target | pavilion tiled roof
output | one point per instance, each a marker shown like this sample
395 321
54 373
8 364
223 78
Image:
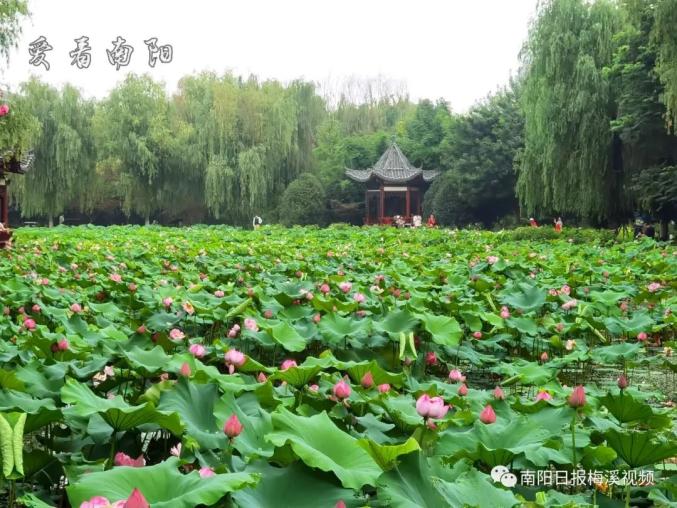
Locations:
392 167
11 165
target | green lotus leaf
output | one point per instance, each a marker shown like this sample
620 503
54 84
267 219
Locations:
321 444
162 485
444 330
116 412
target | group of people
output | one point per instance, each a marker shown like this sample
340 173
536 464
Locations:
644 229
416 221
559 225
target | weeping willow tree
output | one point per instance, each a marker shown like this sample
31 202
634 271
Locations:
11 13
665 37
247 140
64 152
134 133
570 163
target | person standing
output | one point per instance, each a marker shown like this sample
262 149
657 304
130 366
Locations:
559 224
533 223
649 230
257 222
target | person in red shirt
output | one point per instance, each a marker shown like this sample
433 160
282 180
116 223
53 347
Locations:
533 222
431 221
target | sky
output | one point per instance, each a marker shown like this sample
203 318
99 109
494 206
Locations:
458 50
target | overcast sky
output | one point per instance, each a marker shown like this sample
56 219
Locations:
456 49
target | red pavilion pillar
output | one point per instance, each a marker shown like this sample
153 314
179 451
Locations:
382 205
408 214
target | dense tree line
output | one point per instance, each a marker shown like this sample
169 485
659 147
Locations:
585 130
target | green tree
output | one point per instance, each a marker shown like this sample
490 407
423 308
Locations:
570 163
649 146
133 132
479 150
11 13
64 150
303 202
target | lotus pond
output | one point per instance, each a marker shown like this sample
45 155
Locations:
211 366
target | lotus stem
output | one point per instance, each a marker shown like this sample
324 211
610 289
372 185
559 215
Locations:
573 439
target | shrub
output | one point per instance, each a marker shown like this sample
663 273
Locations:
303 202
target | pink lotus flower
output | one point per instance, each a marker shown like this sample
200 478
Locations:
232 428
463 390
624 306
431 358
317 318
206 472
234 358
288 364
498 393
261 378
340 504
122 459
477 335
219 294
197 350
566 290
433 407
383 388
4 109
268 313
232 333
345 286
492 260
188 307
568 305
250 324
29 324
544 356
543 395
341 390
488 415
455 376
553 292
577 397
167 302
175 450
622 382
309 296
96 501
136 500
176 334
642 336
116 277
132 287
141 330
62 345
653 287
359 297
505 313
76 308
185 370
36 308
324 288
314 388
570 345
559 327
367 380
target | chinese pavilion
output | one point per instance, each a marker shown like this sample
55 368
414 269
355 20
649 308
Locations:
394 187
9 164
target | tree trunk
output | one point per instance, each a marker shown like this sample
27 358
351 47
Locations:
50 221
664 230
